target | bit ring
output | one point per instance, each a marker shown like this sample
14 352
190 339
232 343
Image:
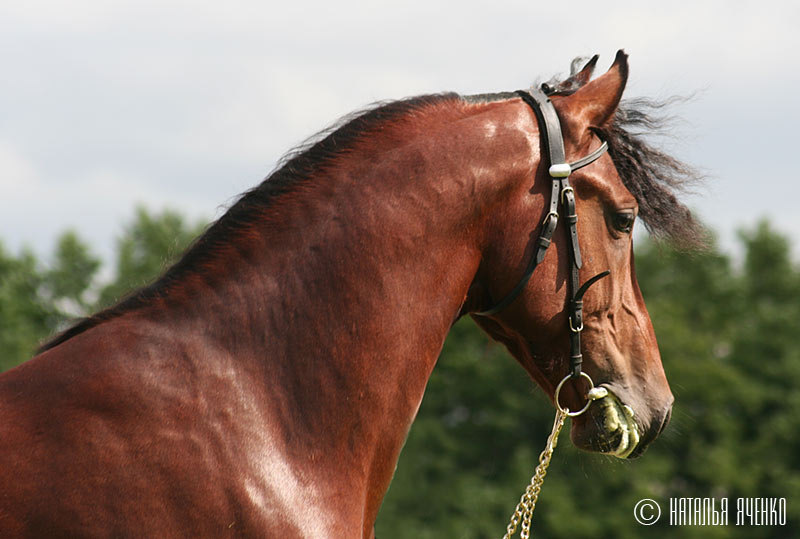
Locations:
591 396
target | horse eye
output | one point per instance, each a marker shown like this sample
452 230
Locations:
623 220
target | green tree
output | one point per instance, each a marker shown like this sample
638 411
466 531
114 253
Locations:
147 246
727 344
68 282
37 300
727 337
25 317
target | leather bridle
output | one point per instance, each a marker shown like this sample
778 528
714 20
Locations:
561 194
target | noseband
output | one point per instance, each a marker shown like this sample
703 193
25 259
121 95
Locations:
562 193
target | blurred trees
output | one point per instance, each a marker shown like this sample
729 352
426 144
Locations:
37 300
26 315
146 247
726 333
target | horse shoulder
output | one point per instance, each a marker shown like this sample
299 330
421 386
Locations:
117 429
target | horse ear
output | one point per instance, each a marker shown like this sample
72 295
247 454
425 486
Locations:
595 103
585 74
577 78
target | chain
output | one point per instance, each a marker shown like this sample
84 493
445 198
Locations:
527 503
524 511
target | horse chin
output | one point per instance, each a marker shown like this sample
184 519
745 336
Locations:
610 428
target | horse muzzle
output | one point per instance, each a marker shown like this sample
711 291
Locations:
612 427
620 432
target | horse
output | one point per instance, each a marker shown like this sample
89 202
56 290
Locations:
264 385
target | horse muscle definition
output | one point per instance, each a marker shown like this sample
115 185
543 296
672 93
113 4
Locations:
264 385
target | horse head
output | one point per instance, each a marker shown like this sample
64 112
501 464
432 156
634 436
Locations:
619 344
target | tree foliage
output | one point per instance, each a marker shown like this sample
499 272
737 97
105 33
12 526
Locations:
25 314
726 334
147 246
36 300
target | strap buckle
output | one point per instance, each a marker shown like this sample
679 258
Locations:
565 190
573 328
553 215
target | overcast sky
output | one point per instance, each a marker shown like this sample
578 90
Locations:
106 104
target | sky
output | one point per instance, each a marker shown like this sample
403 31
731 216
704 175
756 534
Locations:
184 105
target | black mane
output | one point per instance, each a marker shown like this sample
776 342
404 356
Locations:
652 176
297 166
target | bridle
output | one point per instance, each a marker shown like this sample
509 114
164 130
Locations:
561 194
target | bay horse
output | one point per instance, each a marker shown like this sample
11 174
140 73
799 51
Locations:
265 384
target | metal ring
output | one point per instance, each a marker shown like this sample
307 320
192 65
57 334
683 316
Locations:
566 411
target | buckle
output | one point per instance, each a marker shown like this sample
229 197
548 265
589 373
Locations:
565 190
573 328
551 215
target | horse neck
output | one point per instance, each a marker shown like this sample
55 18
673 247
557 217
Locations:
344 293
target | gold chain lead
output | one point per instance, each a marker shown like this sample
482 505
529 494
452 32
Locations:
524 511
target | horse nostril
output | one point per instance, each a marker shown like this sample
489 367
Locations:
664 423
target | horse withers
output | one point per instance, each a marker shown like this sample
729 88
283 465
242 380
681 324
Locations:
265 384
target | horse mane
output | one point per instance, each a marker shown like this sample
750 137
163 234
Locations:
299 165
653 177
